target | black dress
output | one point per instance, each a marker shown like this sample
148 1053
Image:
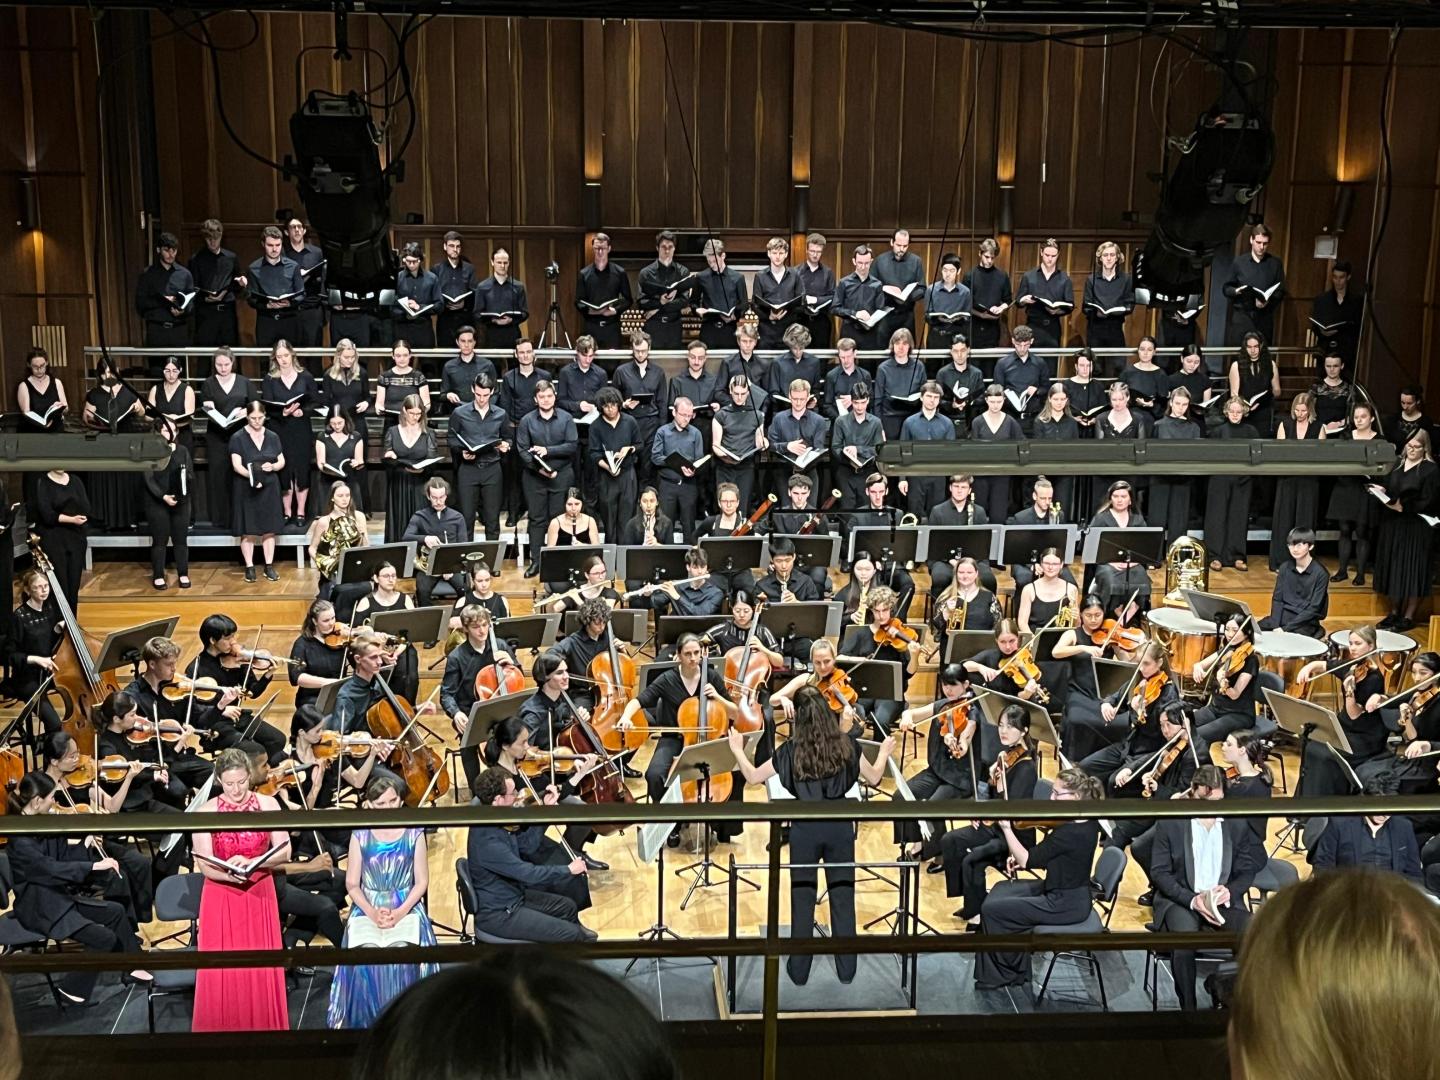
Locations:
297 437
1153 385
345 397
1402 557
1350 502
64 544
398 386
1137 427
405 680
1197 385
1255 378
1169 505
993 492
1065 429
1227 504
1297 500
173 406
335 455
116 496
404 490
219 476
32 632
258 511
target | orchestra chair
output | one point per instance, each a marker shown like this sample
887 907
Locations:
177 899
1109 870
1265 722
469 932
14 937
1275 875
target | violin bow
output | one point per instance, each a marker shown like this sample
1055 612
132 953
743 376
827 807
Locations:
250 667
159 742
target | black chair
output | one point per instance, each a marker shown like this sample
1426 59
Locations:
1109 871
465 892
177 899
1265 722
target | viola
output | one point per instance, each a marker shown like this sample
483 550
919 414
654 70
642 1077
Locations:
1166 759
1423 698
339 635
205 689
895 634
1242 653
1023 670
392 719
1126 637
1150 690
537 762
495 680
1362 669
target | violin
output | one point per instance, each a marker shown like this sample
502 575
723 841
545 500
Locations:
1242 653
497 679
1023 670
895 634
835 688
113 769
1006 761
281 776
339 635
537 762
1167 758
332 744
1362 669
955 723
1149 692
1423 698
172 732
1126 637
205 689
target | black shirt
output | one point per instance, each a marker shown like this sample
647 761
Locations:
319 659
662 699
819 789
1066 856
1300 600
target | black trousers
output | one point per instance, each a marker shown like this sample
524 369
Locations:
272 328
310 326
216 324
821 327
926 785
667 749
605 331
478 488
616 496
356 326
1212 725
926 492
313 911
985 334
993 493
679 501
447 326
720 335
1014 907
418 333
168 524
883 712
852 487
544 499
1108 760
110 929
1181 920
967 853
665 332
158 335
540 916
822 842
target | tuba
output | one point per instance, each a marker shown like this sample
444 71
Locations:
1185 569
339 536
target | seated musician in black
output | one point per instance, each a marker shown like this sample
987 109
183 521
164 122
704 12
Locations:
317 664
362 690
999 670
863 643
1134 732
966 605
478 651
579 650
799 514
950 751
725 523
524 886
875 513
1061 898
480 594
1362 690
784 585
701 595
430 527
1117 582
1043 512
733 633
1234 688
967 852
550 709
1418 718
1162 773
221 660
54 886
865 575
160 655
959 510
166 786
1084 729
661 701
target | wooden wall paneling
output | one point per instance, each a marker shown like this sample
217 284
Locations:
617 195
711 128
437 137
743 168
802 128
657 169
473 158
917 173
564 134
670 118
827 115
500 107
862 123
774 107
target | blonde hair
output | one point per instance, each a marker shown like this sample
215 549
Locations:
1338 980
275 350
1110 245
344 375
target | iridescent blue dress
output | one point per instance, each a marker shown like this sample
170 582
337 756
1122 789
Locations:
359 994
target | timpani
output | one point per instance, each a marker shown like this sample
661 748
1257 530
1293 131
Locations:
1186 639
1392 650
1285 654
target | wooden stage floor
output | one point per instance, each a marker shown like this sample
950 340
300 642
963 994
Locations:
119 594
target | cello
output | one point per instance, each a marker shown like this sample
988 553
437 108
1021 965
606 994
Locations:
79 684
616 679
606 784
694 721
393 719
747 670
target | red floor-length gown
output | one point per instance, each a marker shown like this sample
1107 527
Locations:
240 916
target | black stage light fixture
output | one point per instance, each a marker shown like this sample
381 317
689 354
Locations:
346 191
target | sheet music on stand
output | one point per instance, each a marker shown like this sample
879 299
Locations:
650 837
871 749
1296 715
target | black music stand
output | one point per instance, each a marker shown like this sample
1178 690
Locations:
563 563
1112 676
122 647
1214 608
652 671
731 554
884 544
813 619
878 680
484 715
962 645
652 564
414 626
811 550
627 624
27 730
946 543
698 762
1307 721
1021 545
536 632
325 699
668 628
448 559
1042 643
1142 547
650 844
1042 728
358 565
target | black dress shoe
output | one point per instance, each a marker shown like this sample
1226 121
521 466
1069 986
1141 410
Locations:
1342 574
184 583
673 840
936 867
631 774
532 570
592 863
1146 898
1360 580
159 584
1387 623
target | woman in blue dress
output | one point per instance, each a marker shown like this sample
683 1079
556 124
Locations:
387 879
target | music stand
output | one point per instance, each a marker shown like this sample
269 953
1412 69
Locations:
484 715
414 626
668 628
731 554
1214 608
652 671
1042 643
698 762
962 645
627 624
1042 728
1308 720
884 544
946 543
536 632
325 699
1111 676
447 559
360 564
811 550
1021 545
650 844
563 563
877 680
1131 546
122 647
811 619
653 564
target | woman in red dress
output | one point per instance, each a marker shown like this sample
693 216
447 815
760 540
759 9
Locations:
239 911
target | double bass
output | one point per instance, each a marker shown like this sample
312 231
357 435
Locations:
392 719
80 686
694 721
747 670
